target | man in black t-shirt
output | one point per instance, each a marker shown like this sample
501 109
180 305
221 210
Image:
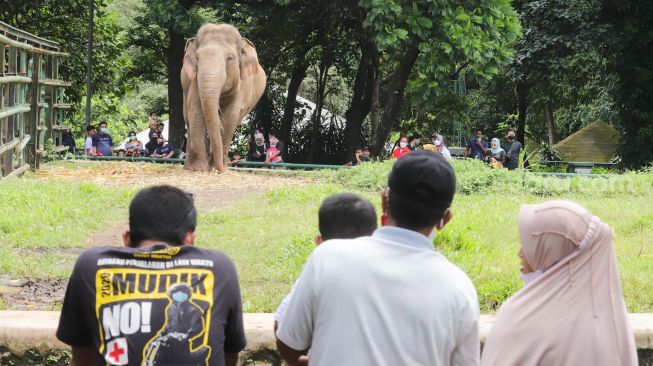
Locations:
159 301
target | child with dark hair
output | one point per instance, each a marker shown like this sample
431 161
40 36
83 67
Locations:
89 149
341 216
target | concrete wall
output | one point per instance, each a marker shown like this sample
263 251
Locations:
28 338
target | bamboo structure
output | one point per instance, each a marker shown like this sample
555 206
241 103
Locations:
32 99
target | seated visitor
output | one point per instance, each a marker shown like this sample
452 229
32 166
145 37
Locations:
366 155
341 216
257 148
159 128
89 149
163 149
571 309
402 149
415 141
389 298
159 300
359 158
274 152
133 147
103 142
496 155
67 139
151 145
235 159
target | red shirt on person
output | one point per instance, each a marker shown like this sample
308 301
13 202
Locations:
399 152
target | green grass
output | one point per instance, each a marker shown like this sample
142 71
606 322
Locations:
42 222
270 236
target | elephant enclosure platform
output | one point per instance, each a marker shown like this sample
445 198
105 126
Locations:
85 204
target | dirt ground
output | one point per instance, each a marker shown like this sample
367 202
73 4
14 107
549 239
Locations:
211 192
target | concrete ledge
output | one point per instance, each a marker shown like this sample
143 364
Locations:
24 330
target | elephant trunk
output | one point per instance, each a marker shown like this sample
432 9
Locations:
211 79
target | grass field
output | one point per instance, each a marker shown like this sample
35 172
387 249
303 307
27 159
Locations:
269 236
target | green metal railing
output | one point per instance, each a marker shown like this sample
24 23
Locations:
244 164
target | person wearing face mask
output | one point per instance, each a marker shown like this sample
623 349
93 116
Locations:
439 146
571 310
402 149
274 152
257 148
102 141
133 147
152 144
512 148
163 149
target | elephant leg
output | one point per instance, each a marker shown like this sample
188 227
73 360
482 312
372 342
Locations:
195 150
215 131
231 122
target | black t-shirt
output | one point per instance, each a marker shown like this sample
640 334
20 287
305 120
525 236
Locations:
163 305
253 149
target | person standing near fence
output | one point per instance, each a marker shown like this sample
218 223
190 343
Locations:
513 149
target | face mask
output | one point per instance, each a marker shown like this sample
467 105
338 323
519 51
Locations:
273 140
403 144
160 143
180 296
530 277
132 138
437 142
104 130
511 138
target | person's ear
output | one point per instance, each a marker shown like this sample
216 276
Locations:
189 238
126 239
318 240
444 221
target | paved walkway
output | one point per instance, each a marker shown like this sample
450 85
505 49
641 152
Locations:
21 330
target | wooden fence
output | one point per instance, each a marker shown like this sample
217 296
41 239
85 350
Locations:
32 106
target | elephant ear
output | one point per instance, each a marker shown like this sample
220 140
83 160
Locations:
248 60
190 59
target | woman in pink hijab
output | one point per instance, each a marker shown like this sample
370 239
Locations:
571 310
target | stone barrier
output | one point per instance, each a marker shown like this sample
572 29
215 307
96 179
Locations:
33 332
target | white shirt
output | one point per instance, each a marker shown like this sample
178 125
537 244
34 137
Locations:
88 144
389 299
281 310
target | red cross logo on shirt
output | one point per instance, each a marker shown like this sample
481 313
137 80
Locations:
117 352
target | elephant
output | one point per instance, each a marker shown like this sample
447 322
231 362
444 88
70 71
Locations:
222 81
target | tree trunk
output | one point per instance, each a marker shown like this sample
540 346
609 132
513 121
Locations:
175 56
550 124
361 100
375 110
522 97
297 76
394 99
317 113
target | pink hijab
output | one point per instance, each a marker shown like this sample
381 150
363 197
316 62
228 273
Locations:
572 314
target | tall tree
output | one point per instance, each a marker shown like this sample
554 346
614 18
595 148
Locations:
630 46
440 37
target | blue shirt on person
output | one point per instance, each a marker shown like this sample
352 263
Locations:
103 144
164 150
475 150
